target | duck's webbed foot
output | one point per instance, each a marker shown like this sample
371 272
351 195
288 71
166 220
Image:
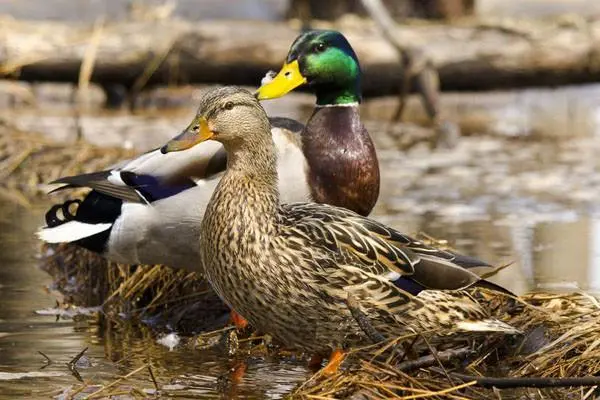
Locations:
335 360
237 320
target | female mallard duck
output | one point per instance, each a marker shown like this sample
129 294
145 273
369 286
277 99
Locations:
290 268
133 210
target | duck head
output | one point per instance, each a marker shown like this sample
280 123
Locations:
323 60
230 115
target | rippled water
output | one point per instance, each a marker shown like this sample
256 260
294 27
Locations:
523 186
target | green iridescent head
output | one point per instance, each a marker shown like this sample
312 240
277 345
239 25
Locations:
325 61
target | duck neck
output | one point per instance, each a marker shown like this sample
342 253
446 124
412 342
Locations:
241 213
333 95
252 173
332 125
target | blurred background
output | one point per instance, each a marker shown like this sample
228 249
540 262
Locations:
485 114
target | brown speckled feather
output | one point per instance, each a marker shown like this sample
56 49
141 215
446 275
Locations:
290 274
381 248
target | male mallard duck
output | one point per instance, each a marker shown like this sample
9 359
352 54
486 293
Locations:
148 210
345 171
133 210
290 268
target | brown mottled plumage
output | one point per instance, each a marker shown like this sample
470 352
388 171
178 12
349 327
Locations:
290 268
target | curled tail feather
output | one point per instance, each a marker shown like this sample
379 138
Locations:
86 222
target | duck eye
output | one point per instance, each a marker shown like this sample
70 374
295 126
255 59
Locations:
319 47
228 105
196 128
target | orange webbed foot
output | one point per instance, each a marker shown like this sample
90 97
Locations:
335 360
237 320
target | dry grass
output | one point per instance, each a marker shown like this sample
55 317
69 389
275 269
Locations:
28 161
154 293
561 340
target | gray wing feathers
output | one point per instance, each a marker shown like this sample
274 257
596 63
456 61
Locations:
99 181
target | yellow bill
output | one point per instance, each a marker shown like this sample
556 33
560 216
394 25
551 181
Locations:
284 82
197 132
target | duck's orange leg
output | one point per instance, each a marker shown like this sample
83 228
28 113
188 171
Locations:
237 320
238 372
335 360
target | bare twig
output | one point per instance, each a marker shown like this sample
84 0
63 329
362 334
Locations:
152 376
362 320
437 359
440 392
414 62
408 348
77 357
89 58
150 69
104 388
15 162
75 373
48 360
72 365
428 361
530 382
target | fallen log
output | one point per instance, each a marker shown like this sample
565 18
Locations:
471 56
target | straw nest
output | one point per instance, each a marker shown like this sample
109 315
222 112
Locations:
560 335
153 293
560 331
560 341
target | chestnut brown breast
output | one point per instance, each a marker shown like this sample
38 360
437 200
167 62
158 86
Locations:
342 164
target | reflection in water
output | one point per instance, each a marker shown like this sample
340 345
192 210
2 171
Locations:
566 255
549 256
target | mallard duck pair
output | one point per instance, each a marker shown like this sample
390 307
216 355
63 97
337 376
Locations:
290 268
147 211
